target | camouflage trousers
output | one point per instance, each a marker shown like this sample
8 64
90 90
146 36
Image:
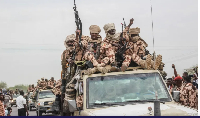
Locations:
110 57
105 61
137 59
2 111
90 57
188 96
148 63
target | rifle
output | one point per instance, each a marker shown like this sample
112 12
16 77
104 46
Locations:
78 23
119 55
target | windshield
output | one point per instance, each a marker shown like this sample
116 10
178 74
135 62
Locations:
46 94
30 94
125 88
15 96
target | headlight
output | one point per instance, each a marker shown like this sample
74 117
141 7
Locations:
41 104
11 100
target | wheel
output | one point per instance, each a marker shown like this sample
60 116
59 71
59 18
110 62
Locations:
40 113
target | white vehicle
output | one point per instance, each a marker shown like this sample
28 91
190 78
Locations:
44 102
130 93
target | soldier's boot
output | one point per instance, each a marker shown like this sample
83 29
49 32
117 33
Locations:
123 68
157 62
114 68
91 70
145 63
103 70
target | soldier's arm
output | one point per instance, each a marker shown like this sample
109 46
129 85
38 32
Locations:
128 27
175 72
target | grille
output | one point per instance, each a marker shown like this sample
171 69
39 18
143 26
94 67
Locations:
47 102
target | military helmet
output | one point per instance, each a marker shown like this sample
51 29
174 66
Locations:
95 29
134 30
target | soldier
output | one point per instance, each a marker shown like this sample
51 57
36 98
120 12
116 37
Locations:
188 94
137 52
93 49
106 51
32 88
42 84
29 88
51 82
56 89
46 81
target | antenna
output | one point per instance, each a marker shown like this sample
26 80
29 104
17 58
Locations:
157 111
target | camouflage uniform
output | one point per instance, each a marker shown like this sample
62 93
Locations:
42 84
188 95
51 83
56 90
68 53
137 50
93 47
79 101
32 88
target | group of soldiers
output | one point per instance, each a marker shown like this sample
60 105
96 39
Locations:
113 54
101 53
188 92
46 84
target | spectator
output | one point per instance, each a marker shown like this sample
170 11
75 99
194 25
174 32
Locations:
9 111
170 85
7 97
178 83
188 94
21 105
195 76
2 113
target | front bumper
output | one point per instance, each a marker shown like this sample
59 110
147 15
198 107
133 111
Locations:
46 109
32 104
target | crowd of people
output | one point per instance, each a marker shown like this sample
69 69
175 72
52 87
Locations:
5 96
188 89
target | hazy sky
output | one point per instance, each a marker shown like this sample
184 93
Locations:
33 32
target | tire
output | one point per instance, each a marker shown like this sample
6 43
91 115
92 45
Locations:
40 113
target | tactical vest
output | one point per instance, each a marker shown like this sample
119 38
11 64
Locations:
94 47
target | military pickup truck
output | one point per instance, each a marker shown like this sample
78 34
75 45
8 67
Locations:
45 102
129 93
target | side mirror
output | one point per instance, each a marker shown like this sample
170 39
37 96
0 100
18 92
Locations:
176 95
72 105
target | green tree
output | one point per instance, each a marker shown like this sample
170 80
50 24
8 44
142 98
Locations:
3 85
20 87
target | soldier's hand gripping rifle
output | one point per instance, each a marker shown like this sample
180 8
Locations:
78 24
